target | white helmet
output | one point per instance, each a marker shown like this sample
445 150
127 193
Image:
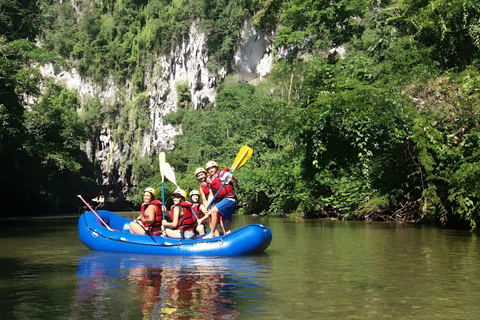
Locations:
194 192
200 170
211 164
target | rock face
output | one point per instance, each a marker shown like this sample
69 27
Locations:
187 64
253 58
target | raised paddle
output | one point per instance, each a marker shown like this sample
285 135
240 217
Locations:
161 160
98 216
170 175
242 157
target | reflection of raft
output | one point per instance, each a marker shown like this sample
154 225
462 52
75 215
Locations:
248 239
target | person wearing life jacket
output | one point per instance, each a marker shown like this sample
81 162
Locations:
183 220
201 175
149 220
200 211
222 197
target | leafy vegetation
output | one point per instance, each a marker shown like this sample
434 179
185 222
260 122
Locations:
40 161
385 126
41 164
388 131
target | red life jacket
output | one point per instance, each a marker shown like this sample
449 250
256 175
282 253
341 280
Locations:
197 211
186 221
215 182
158 213
205 188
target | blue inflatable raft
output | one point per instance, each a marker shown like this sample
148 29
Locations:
249 239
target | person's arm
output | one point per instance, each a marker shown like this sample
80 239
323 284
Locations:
231 178
175 219
204 198
203 209
210 196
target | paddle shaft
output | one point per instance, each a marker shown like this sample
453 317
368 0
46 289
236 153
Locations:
161 159
216 194
98 216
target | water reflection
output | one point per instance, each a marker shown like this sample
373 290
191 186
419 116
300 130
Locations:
312 270
169 288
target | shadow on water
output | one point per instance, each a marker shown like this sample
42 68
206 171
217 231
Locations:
37 226
137 286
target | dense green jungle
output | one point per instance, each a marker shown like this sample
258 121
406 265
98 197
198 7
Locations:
389 131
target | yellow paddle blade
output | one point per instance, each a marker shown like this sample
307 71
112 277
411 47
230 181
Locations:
242 157
161 160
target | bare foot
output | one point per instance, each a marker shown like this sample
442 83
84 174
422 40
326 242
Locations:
208 236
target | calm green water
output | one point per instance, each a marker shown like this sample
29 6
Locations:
312 270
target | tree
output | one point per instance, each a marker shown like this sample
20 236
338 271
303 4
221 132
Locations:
449 28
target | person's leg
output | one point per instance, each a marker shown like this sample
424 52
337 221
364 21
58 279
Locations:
173 233
213 223
226 208
226 225
200 229
221 223
135 227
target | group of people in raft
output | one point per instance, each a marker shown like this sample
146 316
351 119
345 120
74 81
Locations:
187 219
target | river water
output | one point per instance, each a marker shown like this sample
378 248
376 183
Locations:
317 269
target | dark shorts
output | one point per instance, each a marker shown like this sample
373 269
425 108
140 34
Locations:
226 207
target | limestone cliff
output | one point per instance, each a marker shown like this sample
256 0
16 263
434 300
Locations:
187 63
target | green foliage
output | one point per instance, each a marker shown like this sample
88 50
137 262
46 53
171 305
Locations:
133 122
448 28
18 19
373 204
92 115
39 149
115 38
349 139
142 169
184 96
55 119
446 134
64 35
389 128
312 26
40 160
267 17
329 156
43 161
14 59
55 122
242 116
119 39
